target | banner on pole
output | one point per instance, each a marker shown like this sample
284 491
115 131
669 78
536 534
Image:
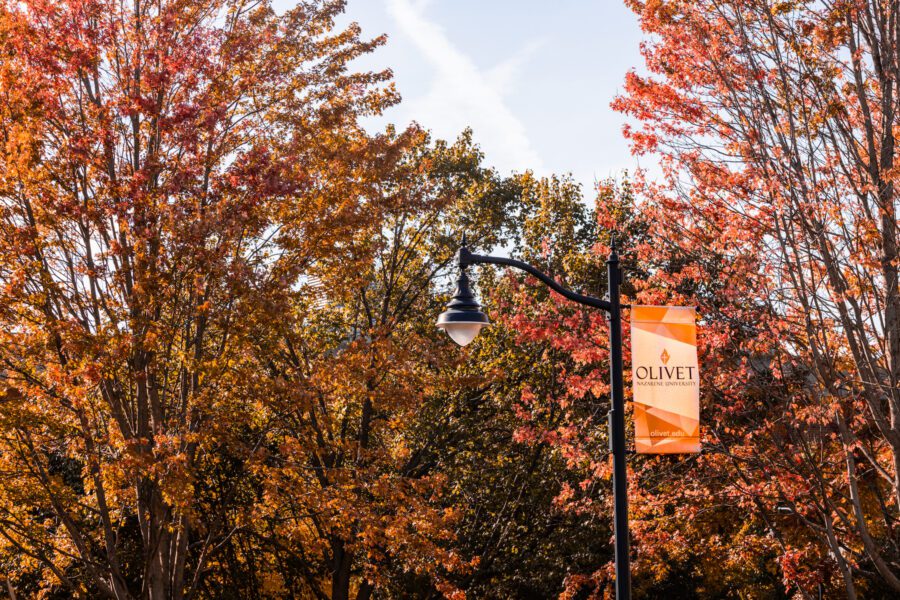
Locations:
665 379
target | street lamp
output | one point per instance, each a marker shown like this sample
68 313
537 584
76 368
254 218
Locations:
463 321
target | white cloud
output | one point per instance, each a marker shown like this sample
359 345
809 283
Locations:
503 76
461 95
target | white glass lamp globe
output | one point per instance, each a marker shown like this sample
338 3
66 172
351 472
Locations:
462 333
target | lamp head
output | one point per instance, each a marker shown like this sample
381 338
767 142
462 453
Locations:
463 318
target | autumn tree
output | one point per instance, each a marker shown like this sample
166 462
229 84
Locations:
361 417
168 173
693 535
775 123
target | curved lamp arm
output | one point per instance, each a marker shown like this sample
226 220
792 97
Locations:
466 258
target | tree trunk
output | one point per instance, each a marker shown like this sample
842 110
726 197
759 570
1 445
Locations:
340 577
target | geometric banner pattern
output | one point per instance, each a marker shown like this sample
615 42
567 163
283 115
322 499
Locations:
665 379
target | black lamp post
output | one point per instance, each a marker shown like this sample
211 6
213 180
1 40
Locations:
463 320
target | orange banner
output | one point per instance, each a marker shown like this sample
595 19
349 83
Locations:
665 378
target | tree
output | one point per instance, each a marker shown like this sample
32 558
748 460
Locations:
169 171
363 412
775 122
693 536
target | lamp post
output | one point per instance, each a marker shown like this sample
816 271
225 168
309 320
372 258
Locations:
463 320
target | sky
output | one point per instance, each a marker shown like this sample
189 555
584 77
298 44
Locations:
533 79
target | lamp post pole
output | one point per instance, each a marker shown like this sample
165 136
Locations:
617 428
463 319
